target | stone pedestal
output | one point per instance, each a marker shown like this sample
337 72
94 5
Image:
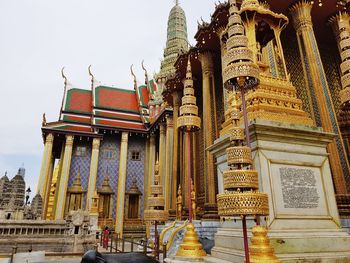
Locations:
294 170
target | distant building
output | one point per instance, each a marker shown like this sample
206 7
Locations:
12 199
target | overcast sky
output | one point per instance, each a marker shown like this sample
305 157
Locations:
39 37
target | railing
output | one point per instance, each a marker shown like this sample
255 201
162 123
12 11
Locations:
117 244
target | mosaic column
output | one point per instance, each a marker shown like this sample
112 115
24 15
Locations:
325 115
206 60
45 165
146 172
123 157
63 182
151 160
168 161
93 172
176 103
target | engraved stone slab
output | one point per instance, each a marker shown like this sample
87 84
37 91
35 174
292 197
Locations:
298 190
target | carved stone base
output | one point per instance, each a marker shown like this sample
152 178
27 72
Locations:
210 212
311 245
172 214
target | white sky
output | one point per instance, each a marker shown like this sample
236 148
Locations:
39 37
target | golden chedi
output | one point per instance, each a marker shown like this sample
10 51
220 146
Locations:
260 248
189 122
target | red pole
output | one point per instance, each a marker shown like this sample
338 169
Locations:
188 134
156 245
246 128
245 240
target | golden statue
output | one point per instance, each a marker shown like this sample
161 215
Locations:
179 204
193 201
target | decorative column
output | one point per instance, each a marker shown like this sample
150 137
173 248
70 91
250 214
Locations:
45 165
341 29
156 212
168 162
146 172
93 172
151 160
63 181
176 102
241 182
162 152
45 200
323 106
123 157
189 122
206 60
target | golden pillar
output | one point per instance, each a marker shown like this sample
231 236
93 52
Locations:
45 165
48 187
175 154
206 60
93 172
123 157
162 152
63 181
325 115
168 162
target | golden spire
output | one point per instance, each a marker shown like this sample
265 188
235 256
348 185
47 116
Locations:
189 119
238 59
188 122
76 187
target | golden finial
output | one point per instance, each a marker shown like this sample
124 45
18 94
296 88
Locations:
90 73
146 74
133 74
44 120
64 76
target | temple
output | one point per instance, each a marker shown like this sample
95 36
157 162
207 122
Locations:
109 140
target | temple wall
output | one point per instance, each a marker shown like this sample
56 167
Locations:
135 168
82 163
109 144
331 63
294 68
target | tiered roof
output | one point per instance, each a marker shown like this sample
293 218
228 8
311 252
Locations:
84 111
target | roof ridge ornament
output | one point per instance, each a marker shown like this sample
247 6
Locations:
146 73
64 76
133 74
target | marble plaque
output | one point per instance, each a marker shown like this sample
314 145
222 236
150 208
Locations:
298 190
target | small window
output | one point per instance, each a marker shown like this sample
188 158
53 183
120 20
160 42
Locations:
135 156
109 154
80 151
